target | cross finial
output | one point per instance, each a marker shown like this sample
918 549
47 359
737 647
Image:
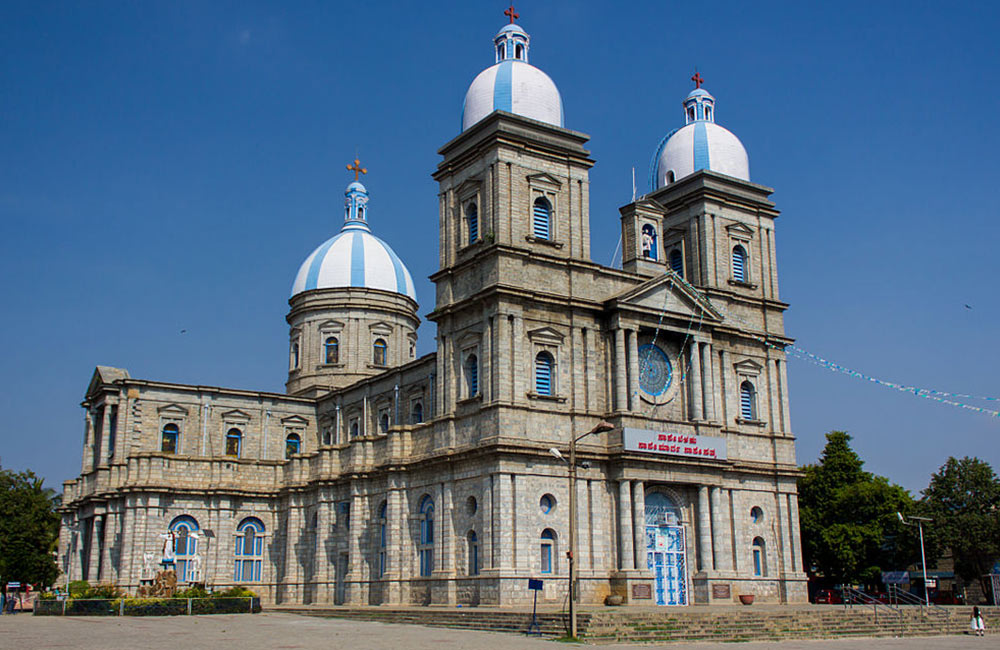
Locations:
356 168
697 79
510 13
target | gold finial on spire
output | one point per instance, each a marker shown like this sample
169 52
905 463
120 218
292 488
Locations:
357 168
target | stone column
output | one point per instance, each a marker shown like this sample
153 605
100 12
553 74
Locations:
505 359
704 530
355 542
784 545
290 579
111 525
321 561
102 453
708 363
772 397
625 525
621 394
88 442
797 564
93 567
520 357
503 522
783 378
447 539
723 552
633 369
639 523
486 360
486 527
696 392
441 379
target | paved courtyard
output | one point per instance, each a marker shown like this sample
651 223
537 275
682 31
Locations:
273 631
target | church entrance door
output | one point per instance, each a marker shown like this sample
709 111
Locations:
666 554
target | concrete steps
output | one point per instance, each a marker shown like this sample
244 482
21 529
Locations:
618 625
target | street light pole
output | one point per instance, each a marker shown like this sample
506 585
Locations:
923 558
571 555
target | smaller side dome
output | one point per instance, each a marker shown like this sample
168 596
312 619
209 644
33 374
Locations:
699 144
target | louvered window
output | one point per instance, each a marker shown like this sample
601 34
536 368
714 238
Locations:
748 401
542 222
543 373
472 375
739 263
472 214
677 262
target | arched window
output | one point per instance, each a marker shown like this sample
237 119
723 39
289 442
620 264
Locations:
473 542
295 355
748 401
739 263
426 548
361 212
501 51
354 429
383 423
691 113
548 543
670 176
677 262
518 51
543 373
381 351
234 441
417 413
471 375
759 557
649 249
472 215
249 550
293 444
382 566
170 438
331 350
184 530
542 218
708 113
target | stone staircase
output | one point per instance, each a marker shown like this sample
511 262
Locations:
662 625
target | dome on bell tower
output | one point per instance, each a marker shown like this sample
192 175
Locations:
699 144
512 84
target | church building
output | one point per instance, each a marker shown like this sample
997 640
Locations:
383 478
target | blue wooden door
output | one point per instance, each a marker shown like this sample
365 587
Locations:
666 558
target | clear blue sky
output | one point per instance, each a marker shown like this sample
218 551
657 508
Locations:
168 166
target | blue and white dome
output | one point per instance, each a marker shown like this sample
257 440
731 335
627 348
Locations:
699 144
354 257
512 85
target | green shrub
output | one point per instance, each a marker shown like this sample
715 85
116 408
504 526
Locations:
78 588
234 592
191 592
103 591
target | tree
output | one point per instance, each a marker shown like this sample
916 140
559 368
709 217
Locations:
963 499
850 531
29 529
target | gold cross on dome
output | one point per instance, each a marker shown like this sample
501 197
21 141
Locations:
356 168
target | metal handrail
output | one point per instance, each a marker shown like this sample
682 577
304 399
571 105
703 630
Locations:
853 597
906 598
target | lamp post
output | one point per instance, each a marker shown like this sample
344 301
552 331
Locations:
923 559
571 555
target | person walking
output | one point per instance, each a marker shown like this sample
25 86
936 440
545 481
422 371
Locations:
977 624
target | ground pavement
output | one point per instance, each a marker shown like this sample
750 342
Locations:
274 631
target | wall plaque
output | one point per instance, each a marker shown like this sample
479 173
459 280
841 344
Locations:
642 591
721 592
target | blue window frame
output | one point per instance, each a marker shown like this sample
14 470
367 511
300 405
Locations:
739 263
542 218
472 215
543 373
677 262
234 442
380 352
759 558
649 245
748 401
546 503
170 438
548 542
426 536
293 444
184 530
249 550
331 350
472 375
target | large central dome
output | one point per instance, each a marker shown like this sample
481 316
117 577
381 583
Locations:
354 257
512 84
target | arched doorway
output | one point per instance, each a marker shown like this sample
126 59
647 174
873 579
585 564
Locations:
666 549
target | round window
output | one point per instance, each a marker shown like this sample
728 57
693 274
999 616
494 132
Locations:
547 503
471 506
756 515
655 372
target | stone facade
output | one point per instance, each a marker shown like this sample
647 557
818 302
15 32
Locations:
432 480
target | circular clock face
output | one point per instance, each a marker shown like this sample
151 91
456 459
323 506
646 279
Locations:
654 370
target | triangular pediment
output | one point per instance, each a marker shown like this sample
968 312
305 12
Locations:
104 375
748 367
670 294
740 230
175 410
331 326
468 188
294 421
544 179
236 415
381 327
546 335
